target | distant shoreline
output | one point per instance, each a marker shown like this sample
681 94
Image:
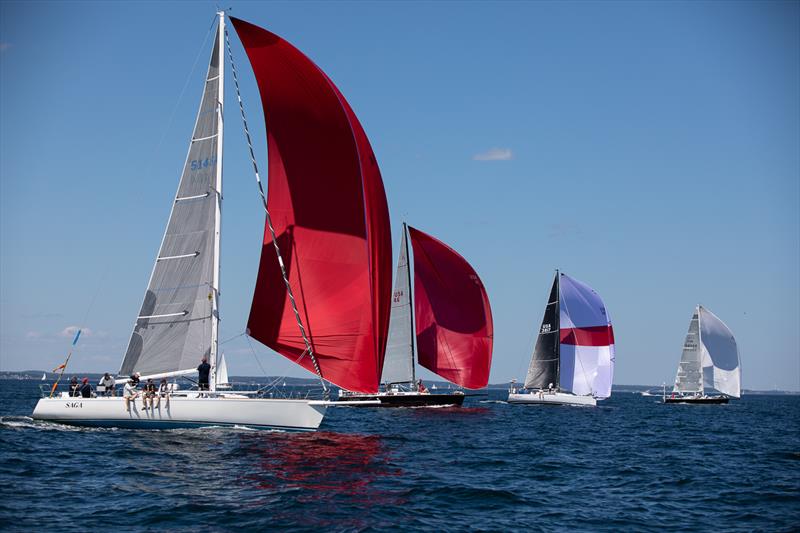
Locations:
36 375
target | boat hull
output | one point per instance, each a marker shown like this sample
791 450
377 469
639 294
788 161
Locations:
404 399
547 398
701 400
184 412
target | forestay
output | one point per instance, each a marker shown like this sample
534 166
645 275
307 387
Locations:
175 326
720 357
398 365
587 340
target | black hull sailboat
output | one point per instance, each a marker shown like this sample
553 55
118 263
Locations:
404 399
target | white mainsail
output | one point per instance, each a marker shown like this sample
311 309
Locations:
178 320
689 378
720 357
398 365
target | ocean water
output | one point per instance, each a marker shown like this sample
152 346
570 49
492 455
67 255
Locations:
631 464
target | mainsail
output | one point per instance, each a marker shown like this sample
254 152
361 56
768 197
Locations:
453 316
398 366
177 322
689 378
330 215
543 370
721 365
586 353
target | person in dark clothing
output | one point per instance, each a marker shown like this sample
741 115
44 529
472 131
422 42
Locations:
202 374
86 389
74 387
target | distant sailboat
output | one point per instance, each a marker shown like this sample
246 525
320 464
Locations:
331 223
222 374
573 360
710 362
44 376
453 322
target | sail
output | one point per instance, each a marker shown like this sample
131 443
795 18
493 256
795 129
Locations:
587 340
454 320
398 365
720 355
173 330
329 211
689 378
222 371
543 370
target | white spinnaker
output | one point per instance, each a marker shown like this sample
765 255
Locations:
398 365
720 355
690 376
586 366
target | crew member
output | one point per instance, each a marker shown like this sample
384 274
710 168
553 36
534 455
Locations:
86 389
202 374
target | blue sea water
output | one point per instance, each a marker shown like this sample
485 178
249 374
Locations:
630 464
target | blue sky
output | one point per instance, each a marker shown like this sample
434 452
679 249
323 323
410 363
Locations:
649 149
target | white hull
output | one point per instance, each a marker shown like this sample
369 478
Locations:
184 412
548 398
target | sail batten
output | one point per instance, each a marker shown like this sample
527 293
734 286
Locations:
329 211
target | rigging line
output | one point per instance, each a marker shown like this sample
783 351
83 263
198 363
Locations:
289 291
180 99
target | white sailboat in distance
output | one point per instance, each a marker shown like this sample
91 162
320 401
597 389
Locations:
573 360
710 368
332 224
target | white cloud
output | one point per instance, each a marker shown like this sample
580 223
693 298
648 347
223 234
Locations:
494 154
33 335
70 331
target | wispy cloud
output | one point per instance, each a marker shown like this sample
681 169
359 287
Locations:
70 331
494 154
33 335
4 46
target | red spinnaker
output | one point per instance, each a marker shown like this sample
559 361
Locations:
454 320
329 210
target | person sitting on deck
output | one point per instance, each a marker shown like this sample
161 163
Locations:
74 387
163 392
108 384
86 389
130 393
550 389
149 393
202 374
421 387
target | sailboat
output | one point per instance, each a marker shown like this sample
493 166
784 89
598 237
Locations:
221 376
326 218
710 362
453 322
573 360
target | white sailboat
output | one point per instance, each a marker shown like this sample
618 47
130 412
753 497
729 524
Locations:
710 367
178 324
573 360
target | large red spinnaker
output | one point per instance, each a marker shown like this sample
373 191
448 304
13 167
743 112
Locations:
329 210
454 320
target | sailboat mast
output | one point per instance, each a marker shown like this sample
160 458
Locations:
218 209
557 384
410 311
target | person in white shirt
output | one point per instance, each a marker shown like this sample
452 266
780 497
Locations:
108 383
130 393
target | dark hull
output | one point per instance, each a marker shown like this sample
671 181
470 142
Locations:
403 400
711 400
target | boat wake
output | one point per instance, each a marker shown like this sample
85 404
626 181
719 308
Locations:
26 422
